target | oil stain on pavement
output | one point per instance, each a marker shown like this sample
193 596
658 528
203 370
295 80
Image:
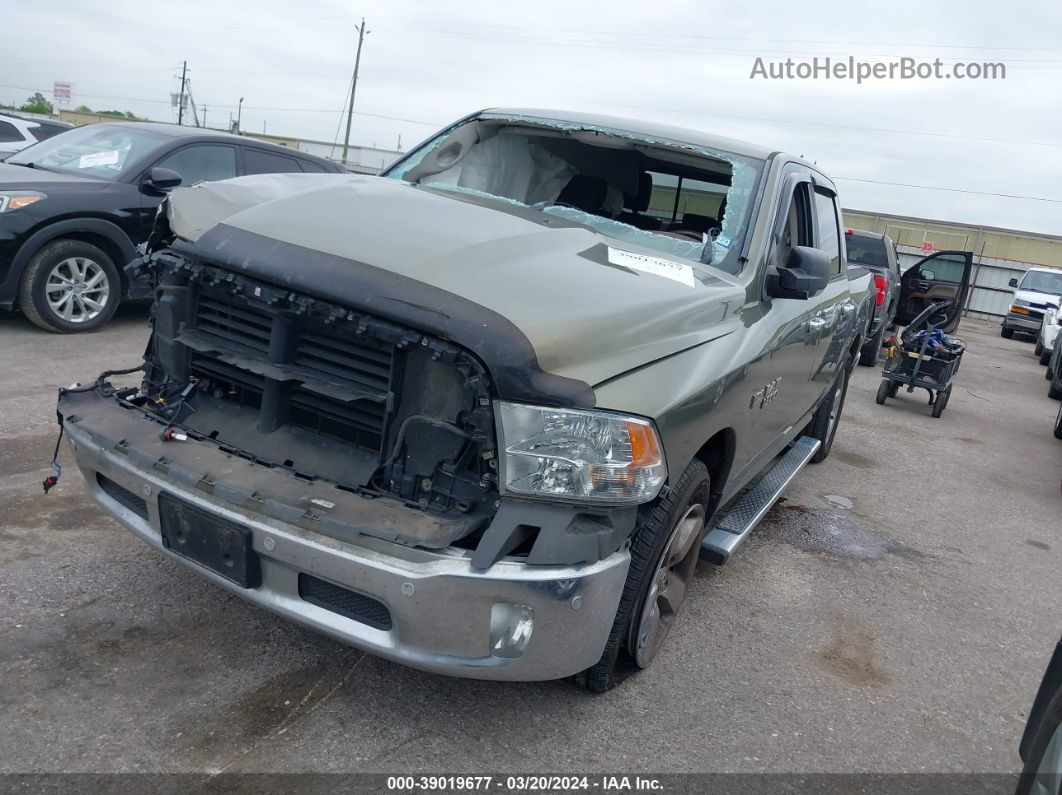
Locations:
834 533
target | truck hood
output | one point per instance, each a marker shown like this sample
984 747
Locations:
590 306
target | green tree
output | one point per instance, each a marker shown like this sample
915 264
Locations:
82 109
37 104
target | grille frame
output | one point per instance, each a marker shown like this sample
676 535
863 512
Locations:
329 379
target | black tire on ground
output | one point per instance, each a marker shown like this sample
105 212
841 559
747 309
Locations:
33 298
1049 723
1045 356
1048 374
1054 392
868 354
883 391
941 401
649 543
1058 424
1039 349
1006 333
820 426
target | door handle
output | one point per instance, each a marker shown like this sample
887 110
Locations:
923 286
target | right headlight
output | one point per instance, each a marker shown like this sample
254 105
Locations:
579 456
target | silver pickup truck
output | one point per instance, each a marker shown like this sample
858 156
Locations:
483 413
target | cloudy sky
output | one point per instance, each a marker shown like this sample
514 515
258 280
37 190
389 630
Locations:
687 63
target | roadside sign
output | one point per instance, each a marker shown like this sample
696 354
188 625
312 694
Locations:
61 92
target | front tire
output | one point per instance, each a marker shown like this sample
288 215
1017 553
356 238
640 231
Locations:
1006 333
883 391
70 286
664 553
941 402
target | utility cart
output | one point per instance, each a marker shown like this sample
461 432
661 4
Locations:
923 357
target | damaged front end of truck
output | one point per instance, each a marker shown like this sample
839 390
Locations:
341 467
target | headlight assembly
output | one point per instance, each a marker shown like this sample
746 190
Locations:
12 200
1021 302
579 456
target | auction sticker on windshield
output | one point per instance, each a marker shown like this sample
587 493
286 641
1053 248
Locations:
108 158
676 271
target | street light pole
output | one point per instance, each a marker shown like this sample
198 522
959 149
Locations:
239 115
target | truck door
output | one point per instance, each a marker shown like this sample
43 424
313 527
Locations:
781 390
833 310
942 275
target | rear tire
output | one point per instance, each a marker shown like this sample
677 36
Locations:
675 527
1054 392
1006 333
69 286
868 354
823 425
1045 357
1039 349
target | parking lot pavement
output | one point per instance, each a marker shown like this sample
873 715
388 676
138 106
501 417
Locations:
894 613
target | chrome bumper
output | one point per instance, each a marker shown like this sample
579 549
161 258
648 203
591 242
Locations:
446 617
1014 320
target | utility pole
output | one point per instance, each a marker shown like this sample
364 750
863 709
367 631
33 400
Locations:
180 103
204 115
239 115
353 87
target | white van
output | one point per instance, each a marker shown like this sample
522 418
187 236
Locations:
1039 289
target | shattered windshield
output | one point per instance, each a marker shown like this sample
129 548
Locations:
680 200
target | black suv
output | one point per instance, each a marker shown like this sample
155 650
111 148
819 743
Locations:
73 209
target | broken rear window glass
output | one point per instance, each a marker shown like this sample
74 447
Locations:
680 200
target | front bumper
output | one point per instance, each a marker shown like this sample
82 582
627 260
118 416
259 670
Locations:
1021 322
440 606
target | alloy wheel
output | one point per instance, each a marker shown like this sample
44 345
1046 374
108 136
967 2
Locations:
669 585
77 289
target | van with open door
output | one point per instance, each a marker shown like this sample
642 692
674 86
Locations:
943 275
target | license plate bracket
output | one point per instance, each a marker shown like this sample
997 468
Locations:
224 547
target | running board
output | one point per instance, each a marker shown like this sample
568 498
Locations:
734 526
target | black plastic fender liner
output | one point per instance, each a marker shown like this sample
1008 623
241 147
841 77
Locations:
503 348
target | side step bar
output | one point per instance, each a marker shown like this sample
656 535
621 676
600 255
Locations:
734 526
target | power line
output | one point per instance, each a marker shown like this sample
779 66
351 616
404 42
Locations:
211 23
952 190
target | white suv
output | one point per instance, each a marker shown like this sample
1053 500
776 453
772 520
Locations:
17 132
